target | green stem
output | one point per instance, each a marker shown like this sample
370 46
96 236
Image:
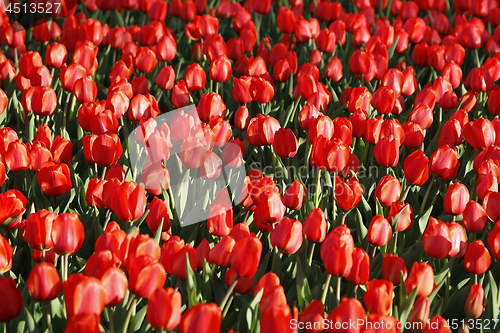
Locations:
334 208
311 253
293 112
437 193
49 316
447 290
129 313
227 306
338 289
325 290
111 321
422 208
316 197
478 62
228 294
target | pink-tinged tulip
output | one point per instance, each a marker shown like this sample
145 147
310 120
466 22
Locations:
474 217
67 234
388 190
437 239
145 60
83 295
455 199
458 240
379 231
145 276
129 201
474 305
287 235
44 283
444 163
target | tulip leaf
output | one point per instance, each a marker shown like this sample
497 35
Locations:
423 220
366 209
379 210
139 318
191 283
137 225
492 310
360 226
406 303
395 220
304 295
444 271
158 231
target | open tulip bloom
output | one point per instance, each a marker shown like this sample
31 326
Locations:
251 166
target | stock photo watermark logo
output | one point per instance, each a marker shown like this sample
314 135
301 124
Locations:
177 151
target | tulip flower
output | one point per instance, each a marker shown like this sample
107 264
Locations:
387 151
39 229
164 309
158 213
336 251
245 256
419 315
129 201
314 227
477 258
210 106
44 283
17 156
444 163
312 317
277 319
437 239
201 318
83 295
379 231
285 143
421 275
5 255
261 130
178 261
378 296
261 90
388 190
349 310
287 235
54 179
67 234
360 270
474 305
13 204
8 291
145 275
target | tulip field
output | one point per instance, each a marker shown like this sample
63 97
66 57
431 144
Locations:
207 166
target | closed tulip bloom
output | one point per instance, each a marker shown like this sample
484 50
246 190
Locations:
477 258
261 130
277 319
287 235
348 194
67 234
106 149
5 255
179 261
491 205
388 190
458 240
480 133
201 318
166 48
360 270
314 227
474 305
245 256
129 201
54 179
44 283
38 229
437 239
83 323
13 204
333 70
195 77
392 268
145 60
414 135
164 309
220 254
145 276
416 168
456 199
312 317
406 217
55 55
241 86
261 90
8 291
158 213
115 282
336 251
349 310
379 231
421 275
166 78
221 69
294 195
378 296
494 241
285 143
169 248
210 106
474 217
286 21
444 163
83 295
359 63
220 221
193 153
419 315
372 132
17 157
383 100
85 90
387 151
272 297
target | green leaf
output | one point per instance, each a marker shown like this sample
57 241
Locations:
395 221
139 318
492 310
119 18
406 305
304 295
191 283
158 232
423 220
360 226
379 209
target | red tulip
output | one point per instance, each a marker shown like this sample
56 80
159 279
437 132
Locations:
444 163
360 271
261 90
314 227
8 291
378 296
287 235
261 130
44 283
201 318
421 275
437 239
336 251
419 315
388 190
5 255
145 276
294 195
221 69
379 231
480 133
67 234
457 196
13 205
285 143
83 295
220 254
474 305
416 168
348 194
145 60
245 256
164 309
129 201
349 310
195 77
54 179
392 268
16 157
477 258
387 151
